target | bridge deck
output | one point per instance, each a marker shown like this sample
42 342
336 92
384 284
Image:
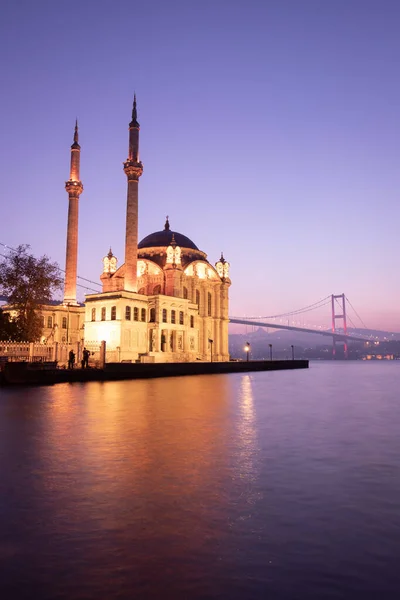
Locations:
337 336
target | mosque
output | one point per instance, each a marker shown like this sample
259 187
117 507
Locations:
166 303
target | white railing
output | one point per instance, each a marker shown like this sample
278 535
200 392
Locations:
25 351
13 349
35 352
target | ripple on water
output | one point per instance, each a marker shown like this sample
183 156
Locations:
280 485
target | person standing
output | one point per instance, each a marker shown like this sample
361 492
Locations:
71 359
86 355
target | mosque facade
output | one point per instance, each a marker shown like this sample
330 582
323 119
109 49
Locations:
165 303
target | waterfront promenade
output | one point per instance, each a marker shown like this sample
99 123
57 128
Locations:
25 373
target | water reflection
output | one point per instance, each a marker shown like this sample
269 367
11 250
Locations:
247 436
123 434
248 458
210 487
140 462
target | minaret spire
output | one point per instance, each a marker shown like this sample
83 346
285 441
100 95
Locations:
76 135
74 189
133 169
134 122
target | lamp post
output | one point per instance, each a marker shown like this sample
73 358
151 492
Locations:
247 350
292 347
270 351
210 341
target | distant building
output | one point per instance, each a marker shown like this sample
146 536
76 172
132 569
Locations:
165 303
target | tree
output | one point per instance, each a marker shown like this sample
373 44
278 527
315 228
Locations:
9 329
28 283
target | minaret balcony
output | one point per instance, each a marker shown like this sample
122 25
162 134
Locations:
75 188
133 170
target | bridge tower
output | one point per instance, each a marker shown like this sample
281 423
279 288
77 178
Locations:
339 299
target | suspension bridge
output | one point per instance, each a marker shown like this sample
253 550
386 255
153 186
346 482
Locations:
338 304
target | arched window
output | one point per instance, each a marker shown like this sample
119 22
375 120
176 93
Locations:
135 313
191 321
164 315
173 317
93 314
209 306
49 322
103 313
198 298
64 323
180 317
141 291
152 317
157 289
128 313
42 321
143 315
185 292
113 313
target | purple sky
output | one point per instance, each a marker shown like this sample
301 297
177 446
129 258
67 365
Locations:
269 130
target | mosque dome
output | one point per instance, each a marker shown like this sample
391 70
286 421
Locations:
164 238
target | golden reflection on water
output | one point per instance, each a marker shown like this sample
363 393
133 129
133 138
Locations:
247 425
143 446
153 489
248 459
246 397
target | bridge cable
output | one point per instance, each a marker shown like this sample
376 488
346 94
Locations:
365 327
308 308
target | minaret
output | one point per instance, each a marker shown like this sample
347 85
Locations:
74 188
133 169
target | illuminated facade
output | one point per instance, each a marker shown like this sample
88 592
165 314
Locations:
61 323
166 303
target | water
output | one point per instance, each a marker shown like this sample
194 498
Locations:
278 485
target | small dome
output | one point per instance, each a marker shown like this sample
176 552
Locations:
164 238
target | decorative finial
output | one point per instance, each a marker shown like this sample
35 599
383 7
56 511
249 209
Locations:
110 263
222 267
134 122
76 136
166 226
134 110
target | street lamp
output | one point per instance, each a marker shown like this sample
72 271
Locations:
292 347
210 341
247 350
270 351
